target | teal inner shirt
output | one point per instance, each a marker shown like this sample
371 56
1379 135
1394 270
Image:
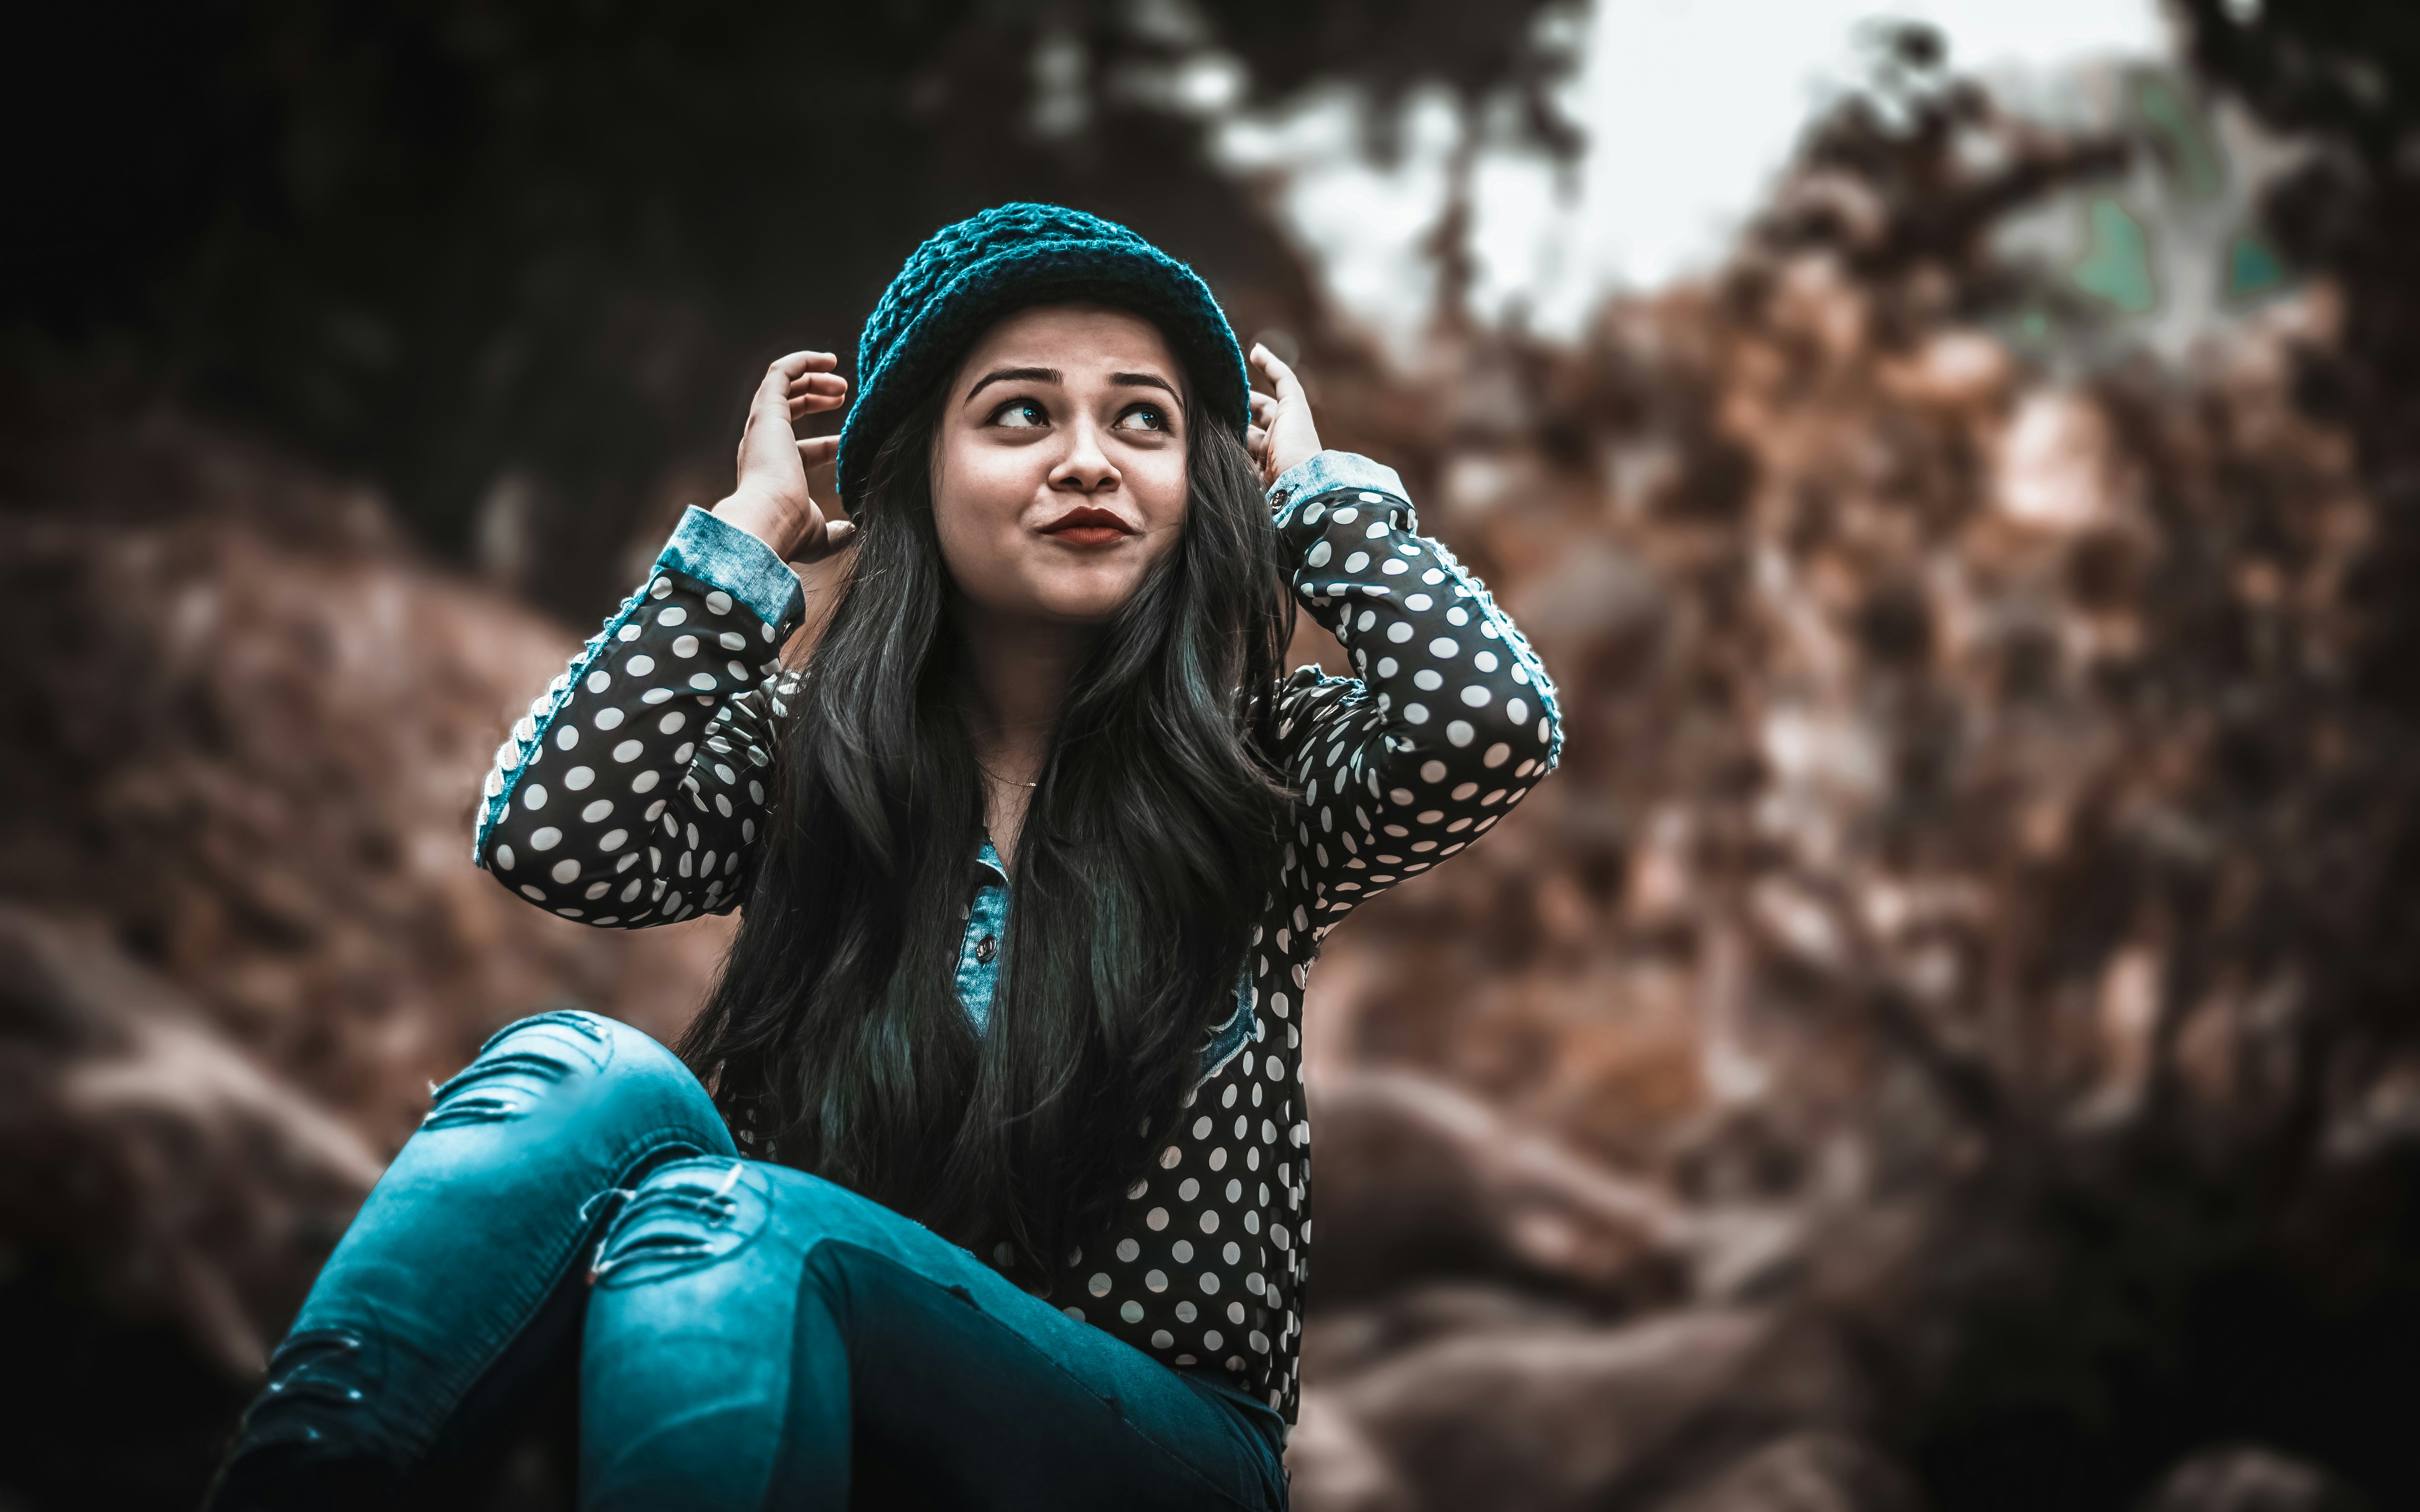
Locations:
986 930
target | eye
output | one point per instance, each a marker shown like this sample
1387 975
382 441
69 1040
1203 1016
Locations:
1020 414
1143 417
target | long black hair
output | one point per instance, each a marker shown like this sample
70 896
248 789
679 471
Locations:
1143 864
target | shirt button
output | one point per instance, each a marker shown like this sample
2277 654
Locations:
985 948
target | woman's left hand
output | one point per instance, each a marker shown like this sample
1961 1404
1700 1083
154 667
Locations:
1282 435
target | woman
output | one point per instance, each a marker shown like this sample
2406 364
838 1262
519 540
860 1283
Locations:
1034 851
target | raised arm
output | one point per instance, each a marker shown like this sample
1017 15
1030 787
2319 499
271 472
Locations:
633 792
1451 718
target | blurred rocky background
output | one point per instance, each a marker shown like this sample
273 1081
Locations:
1946 1039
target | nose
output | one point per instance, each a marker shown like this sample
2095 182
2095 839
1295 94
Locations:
1086 468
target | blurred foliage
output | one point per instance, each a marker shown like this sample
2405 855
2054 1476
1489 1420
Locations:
533 254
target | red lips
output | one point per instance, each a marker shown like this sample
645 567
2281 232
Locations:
1086 526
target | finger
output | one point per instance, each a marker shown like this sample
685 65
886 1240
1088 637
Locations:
797 363
814 404
818 383
1256 439
1281 380
835 535
817 449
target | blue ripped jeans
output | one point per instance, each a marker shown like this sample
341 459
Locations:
740 1331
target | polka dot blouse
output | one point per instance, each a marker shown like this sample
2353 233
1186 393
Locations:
633 792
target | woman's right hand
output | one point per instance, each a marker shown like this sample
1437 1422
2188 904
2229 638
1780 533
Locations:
771 502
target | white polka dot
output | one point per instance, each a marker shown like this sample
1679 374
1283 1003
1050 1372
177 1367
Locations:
1476 697
1186 1312
608 719
1386 666
1518 711
613 839
600 681
1099 1285
1234 1312
579 777
1210 1223
1131 1311
1157 1219
671 723
1211 1339
1169 1157
1160 1338
1443 649
685 646
1498 755
505 856
546 839
596 811
1358 561
1188 1189
534 795
1318 555
718 602
639 665
1075 1313
1460 732
528 892
674 615
1128 1249
703 682
1416 713
1400 631
645 781
1210 1283
1393 567
627 752
1154 1280
565 871
657 695
1202 1127
1347 516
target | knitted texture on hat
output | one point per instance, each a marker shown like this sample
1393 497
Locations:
967 275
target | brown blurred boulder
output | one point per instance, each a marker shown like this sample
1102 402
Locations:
161 1163
1808 1472
248 730
1417 1179
241 935
1542 1418
2250 1478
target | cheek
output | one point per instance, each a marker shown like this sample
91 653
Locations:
1158 483
979 493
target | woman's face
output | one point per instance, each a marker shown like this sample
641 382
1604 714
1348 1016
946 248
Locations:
1059 466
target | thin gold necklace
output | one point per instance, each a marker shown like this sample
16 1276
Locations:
997 778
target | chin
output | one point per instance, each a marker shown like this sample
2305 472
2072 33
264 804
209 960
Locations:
1088 599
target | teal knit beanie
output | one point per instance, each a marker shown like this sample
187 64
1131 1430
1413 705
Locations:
968 275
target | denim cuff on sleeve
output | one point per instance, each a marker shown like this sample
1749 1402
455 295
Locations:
713 550
1334 469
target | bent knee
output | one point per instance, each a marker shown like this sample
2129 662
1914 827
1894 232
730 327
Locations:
570 1060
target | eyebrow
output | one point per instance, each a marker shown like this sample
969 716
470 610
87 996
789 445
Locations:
1052 376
